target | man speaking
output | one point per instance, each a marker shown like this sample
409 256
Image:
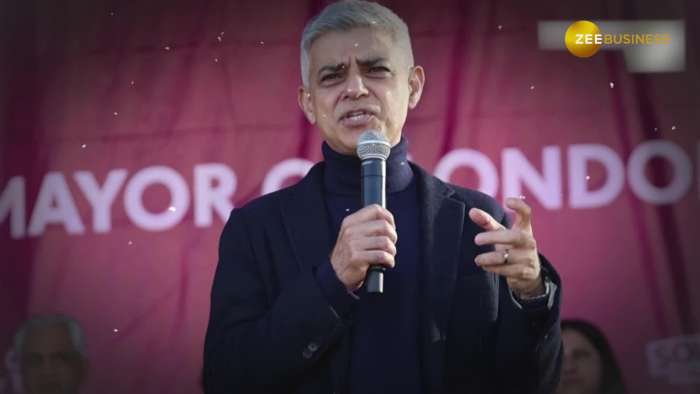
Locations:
468 305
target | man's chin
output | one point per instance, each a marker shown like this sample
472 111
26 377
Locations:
346 142
349 139
344 146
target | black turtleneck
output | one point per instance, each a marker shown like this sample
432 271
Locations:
342 174
384 356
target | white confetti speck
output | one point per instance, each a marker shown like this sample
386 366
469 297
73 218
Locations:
588 177
656 129
673 127
116 330
262 42
218 38
172 209
116 113
83 146
532 87
130 243
347 209
356 45
132 83
222 33
612 85
500 27
522 197
167 47
216 60
111 13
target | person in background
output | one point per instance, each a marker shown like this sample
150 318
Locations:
589 362
49 354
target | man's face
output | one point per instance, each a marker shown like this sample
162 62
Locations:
49 362
359 79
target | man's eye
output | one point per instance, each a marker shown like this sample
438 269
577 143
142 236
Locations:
329 77
378 70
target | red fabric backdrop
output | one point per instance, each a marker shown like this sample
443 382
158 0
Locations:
164 114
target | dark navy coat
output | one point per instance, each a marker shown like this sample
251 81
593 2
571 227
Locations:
272 331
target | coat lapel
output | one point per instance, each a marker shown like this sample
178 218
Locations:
307 224
306 220
442 222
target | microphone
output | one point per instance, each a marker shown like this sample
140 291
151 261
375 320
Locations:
373 149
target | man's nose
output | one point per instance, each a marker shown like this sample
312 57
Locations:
355 87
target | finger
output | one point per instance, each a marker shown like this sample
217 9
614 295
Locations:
377 243
370 229
516 238
370 212
523 213
493 258
484 220
373 228
513 271
380 257
498 257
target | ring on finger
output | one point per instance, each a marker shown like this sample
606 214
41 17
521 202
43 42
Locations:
506 254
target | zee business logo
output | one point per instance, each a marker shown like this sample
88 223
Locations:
584 38
648 46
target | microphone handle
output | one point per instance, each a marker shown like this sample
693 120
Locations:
374 192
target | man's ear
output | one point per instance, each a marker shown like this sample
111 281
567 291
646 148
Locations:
304 99
416 81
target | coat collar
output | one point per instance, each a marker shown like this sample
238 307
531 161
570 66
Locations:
442 219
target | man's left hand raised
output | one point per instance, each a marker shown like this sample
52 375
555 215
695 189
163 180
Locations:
515 255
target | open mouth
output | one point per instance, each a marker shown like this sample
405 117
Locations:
357 118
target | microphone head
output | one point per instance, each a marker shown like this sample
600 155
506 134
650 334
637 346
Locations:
373 145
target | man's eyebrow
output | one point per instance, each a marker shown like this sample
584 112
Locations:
371 61
361 62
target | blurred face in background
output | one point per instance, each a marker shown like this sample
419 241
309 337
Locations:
582 371
50 364
359 79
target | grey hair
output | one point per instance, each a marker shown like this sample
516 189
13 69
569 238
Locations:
42 321
346 15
